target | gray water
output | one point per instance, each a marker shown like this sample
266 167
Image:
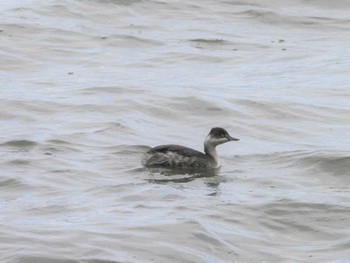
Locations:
87 86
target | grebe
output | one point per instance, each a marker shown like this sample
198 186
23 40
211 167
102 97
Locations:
176 156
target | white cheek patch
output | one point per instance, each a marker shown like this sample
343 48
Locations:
218 141
209 140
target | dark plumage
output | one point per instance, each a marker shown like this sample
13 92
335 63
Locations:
183 157
172 155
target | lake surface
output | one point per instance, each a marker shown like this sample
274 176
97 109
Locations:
88 86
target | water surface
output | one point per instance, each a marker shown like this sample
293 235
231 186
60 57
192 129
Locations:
88 86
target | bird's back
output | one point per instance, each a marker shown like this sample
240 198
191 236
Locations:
177 156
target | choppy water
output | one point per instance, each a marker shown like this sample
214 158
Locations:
87 86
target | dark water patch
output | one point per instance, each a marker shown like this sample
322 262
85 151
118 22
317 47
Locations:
57 146
270 17
20 162
256 13
50 150
20 144
100 261
224 45
57 141
209 41
128 149
48 210
20 29
38 259
114 128
119 2
36 107
90 108
130 41
9 183
111 90
190 58
62 171
238 3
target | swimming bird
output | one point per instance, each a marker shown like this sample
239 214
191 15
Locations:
177 156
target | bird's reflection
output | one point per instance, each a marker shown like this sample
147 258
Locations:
162 175
159 175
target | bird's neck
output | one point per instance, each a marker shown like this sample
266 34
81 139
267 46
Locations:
210 150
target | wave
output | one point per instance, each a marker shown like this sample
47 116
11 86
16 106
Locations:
328 162
19 144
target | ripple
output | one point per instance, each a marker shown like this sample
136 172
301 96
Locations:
20 162
57 141
10 183
334 163
20 144
83 79
37 259
209 41
306 219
